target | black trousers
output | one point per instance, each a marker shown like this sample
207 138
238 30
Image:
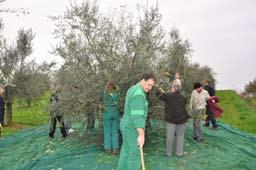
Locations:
2 117
53 126
210 118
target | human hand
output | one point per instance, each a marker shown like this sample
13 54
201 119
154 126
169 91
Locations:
140 140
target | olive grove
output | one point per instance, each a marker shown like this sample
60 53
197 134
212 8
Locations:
119 47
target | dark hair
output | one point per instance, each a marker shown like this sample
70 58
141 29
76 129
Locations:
148 76
197 85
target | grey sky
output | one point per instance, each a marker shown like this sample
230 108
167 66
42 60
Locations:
222 32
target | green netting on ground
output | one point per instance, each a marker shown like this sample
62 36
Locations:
227 148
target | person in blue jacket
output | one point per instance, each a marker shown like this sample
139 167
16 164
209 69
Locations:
110 97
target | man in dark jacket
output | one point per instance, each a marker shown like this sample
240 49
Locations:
56 115
175 117
210 115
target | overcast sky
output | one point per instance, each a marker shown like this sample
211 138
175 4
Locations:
222 32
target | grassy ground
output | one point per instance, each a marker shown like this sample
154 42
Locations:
24 116
237 111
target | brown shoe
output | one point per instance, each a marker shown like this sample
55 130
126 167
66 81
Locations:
115 151
108 151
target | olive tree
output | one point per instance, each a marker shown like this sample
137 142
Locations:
251 87
98 49
117 47
23 79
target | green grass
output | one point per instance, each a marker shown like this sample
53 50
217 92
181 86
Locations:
24 116
237 111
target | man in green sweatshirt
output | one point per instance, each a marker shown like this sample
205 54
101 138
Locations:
133 123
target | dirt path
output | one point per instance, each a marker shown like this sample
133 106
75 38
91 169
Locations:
12 128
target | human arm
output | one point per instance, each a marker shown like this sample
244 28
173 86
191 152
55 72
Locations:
139 114
141 137
161 94
191 102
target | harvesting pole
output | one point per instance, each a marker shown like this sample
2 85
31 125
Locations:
142 159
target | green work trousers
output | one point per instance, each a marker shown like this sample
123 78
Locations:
111 126
130 155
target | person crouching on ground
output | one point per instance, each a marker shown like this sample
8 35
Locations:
111 116
176 117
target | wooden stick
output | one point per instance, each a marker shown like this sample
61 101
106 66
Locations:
142 159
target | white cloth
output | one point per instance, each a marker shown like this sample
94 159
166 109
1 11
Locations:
199 100
71 130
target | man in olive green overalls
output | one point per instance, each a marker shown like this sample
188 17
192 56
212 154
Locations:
133 123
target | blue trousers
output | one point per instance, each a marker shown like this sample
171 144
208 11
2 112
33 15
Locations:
210 118
111 126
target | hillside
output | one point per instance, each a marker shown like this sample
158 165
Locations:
237 112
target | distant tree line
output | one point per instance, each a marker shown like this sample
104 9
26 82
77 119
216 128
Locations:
251 87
